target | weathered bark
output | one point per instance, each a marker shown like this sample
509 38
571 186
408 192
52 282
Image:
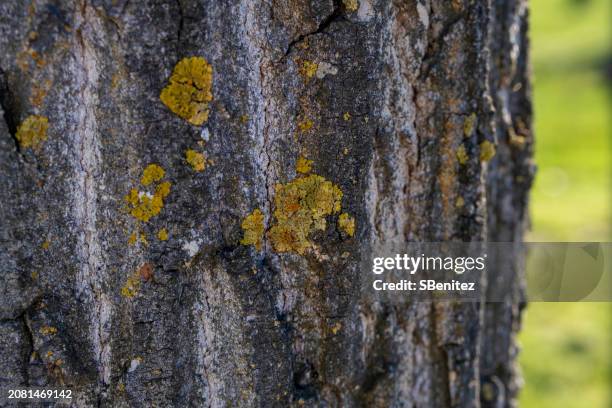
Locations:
225 324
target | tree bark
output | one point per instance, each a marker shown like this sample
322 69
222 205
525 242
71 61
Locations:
399 104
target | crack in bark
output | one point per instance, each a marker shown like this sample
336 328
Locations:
10 116
334 16
30 340
434 47
181 21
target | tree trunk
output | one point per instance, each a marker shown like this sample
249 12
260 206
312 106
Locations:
191 282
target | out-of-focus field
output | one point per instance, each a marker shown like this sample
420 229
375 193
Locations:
566 355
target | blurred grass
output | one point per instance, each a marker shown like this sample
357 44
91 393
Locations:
566 347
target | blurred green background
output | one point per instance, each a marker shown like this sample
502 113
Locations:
566 348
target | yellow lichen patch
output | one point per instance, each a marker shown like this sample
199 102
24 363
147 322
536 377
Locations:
163 189
143 205
131 287
48 330
303 165
487 151
195 159
462 155
305 125
253 229
346 223
308 69
351 5
151 174
300 208
45 245
190 90
162 234
518 141
244 119
32 131
460 202
346 116
469 124
133 238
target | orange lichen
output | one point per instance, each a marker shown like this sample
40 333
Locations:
146 271
346 223
195 159
308 69
142 204
38 93
190 90
33 131
300 209
303 165
253 229
162 234
133 282
462 155
487 151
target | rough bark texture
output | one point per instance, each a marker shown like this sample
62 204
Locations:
220 323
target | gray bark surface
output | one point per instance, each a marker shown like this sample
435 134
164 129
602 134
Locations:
225 324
